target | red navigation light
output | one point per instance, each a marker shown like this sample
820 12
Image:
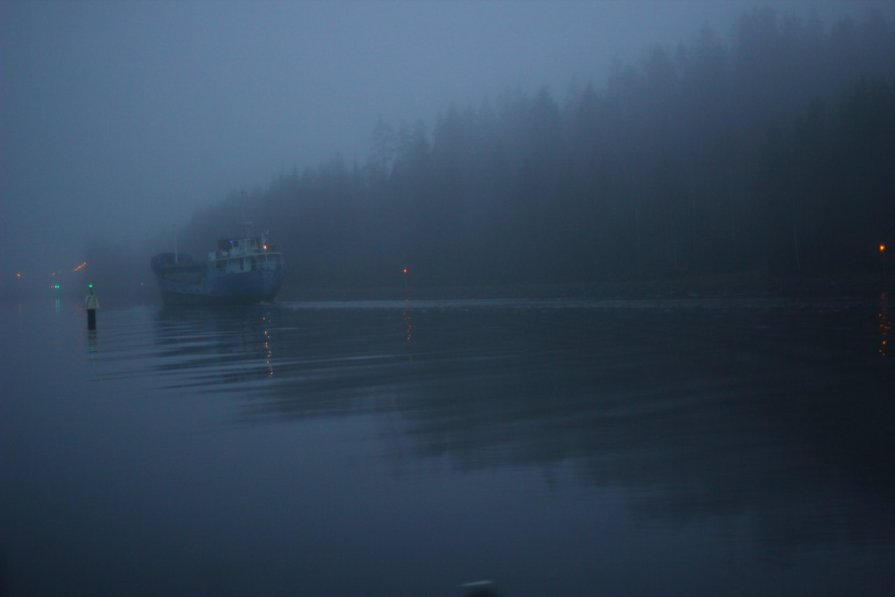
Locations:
405 270
882 247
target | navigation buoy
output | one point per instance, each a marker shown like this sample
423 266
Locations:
91 303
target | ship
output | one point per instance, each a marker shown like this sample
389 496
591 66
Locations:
241 270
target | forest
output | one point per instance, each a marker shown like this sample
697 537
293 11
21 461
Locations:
767 150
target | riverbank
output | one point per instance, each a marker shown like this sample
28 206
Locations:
747 284
757 284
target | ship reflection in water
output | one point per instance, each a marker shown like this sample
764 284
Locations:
557 447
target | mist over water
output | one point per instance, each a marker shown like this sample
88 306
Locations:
562 447
712 416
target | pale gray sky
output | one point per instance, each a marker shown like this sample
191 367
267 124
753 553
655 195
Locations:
119 118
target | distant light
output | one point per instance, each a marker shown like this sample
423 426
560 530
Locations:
264 246
405 270
80 266
18 275
882 247
52 273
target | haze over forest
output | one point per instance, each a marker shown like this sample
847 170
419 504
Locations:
772 150
765 144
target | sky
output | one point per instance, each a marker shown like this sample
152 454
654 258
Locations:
119 119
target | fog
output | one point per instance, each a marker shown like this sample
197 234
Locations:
119 119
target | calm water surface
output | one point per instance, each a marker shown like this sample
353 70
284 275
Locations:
695 447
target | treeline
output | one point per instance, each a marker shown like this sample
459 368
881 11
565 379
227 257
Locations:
772 150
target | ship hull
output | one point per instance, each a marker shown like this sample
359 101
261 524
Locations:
242 279
222 289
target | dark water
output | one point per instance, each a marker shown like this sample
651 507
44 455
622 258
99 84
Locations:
698 447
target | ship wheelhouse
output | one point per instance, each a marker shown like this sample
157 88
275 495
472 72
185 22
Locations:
250 254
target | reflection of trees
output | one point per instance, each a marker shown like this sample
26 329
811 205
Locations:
784 423
782 414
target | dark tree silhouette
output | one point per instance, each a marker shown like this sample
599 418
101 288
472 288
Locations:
771 151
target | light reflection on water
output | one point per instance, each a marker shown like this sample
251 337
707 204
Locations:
755 431
885 325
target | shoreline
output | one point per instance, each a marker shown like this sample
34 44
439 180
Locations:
748 285
751 284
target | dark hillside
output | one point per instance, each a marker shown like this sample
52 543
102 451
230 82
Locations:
771 151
